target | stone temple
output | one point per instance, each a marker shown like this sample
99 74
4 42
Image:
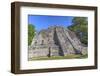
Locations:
55 41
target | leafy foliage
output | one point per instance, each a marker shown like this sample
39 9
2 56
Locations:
80 27
31 33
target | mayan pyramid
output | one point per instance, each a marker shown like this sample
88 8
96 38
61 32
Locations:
56 41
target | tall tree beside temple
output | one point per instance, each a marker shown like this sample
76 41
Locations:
80 27
31 33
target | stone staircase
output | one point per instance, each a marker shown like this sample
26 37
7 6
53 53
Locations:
58 41
64 42
75 41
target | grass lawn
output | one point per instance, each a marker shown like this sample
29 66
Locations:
60 57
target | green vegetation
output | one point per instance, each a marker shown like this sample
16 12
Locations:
31 33
72 56
80 27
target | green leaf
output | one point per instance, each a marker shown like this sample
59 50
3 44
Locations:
80 27
31 33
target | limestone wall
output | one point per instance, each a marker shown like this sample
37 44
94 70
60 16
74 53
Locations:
55 41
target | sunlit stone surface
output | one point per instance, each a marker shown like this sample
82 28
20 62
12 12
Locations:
55 41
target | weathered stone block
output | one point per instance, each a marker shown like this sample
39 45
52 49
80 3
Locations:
56 41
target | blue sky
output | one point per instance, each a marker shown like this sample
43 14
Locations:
44 21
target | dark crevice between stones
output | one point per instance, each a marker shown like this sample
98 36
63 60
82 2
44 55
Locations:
61 53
